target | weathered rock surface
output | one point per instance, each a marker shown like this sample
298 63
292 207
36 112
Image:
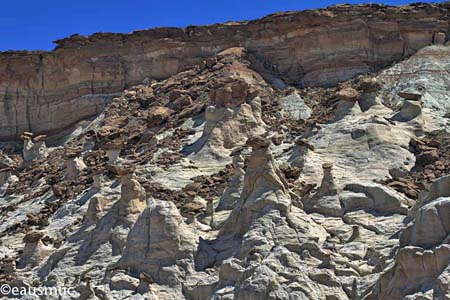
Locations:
45 92
224 181
421 265
166 242
432 215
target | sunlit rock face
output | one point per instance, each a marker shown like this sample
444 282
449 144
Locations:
46 92
216 174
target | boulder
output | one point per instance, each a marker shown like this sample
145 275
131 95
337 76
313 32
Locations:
112 150
412 93
264 185
159 239
355 201
133 198
348 103
95 209
121 281
158 115
384 199
414 267
439 38
439 188
431 225
200 286
232 193
33 148
34 252
295 107
370 87
74 167
326 200
234 115
409 111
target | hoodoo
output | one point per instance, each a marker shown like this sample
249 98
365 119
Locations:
303 155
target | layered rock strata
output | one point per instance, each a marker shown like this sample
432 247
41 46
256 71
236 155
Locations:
220 182
48 91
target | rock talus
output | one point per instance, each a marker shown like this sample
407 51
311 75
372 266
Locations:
305 155
46 92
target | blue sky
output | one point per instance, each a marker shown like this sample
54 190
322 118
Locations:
33 25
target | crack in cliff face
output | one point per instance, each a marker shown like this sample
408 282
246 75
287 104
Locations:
10 110
29 124
124 71
39 67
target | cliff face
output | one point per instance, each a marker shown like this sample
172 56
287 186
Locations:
215 184
45 92
247 192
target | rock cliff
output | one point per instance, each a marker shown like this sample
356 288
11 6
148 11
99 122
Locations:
46 92
227 178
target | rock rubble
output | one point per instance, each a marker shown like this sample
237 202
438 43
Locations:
232 177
